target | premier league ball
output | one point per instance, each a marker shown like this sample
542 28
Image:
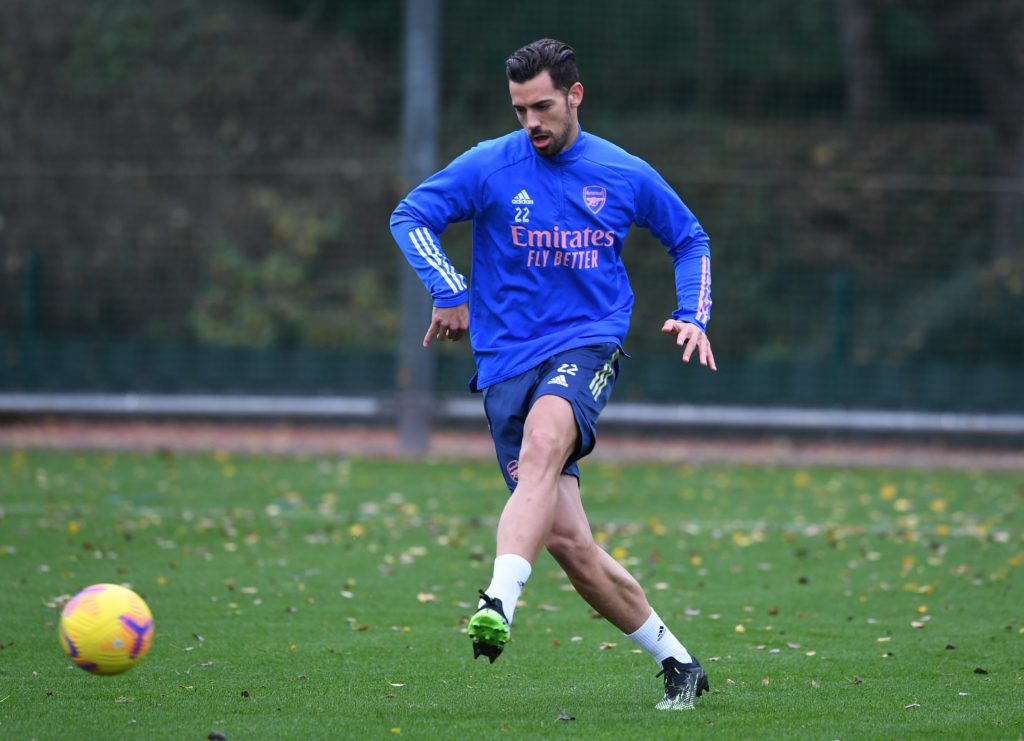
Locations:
106 629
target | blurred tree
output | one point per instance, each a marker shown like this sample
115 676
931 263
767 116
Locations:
374 23
708 75
988 36
279 292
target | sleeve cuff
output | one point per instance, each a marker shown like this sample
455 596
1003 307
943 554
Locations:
446 302
689 318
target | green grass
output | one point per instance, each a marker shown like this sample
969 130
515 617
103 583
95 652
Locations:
315 598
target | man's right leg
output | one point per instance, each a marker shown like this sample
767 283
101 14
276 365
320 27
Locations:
549 437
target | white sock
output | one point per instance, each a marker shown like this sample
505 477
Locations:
657 640
510 575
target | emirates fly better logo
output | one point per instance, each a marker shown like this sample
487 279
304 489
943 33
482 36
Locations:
594 196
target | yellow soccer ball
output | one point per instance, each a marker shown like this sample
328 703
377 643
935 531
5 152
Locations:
106 629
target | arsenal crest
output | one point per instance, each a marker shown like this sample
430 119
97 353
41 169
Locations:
594 196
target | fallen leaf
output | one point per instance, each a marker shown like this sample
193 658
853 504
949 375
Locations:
396 684
979 670
856 680
245 693
815 684
605 645
729 681
764 682
58 602
911 705
562 715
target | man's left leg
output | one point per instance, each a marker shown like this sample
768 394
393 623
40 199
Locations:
616 595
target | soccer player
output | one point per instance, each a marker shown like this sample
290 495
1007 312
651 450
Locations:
547 312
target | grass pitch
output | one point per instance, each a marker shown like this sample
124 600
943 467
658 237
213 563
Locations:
318 598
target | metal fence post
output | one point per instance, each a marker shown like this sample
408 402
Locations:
30 289
417 366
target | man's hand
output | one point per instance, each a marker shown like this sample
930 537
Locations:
690 338
447 324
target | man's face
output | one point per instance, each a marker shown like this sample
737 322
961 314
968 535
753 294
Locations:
547 113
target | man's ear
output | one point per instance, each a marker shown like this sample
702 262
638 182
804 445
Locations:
575 95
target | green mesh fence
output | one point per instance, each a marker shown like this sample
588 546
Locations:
194 195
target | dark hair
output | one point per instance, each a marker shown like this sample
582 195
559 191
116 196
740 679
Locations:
557 57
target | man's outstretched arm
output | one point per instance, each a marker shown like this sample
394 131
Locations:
691 339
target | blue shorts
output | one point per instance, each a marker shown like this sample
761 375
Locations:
583 376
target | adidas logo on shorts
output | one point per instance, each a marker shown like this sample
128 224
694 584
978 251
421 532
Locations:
559 380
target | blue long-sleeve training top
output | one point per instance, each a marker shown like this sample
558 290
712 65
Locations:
547 273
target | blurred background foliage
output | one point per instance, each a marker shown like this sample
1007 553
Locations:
219 174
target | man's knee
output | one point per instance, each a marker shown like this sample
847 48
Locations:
573 550
545 444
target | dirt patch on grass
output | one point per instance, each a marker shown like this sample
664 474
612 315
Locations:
380 442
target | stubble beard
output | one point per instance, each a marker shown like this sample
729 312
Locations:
557 141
